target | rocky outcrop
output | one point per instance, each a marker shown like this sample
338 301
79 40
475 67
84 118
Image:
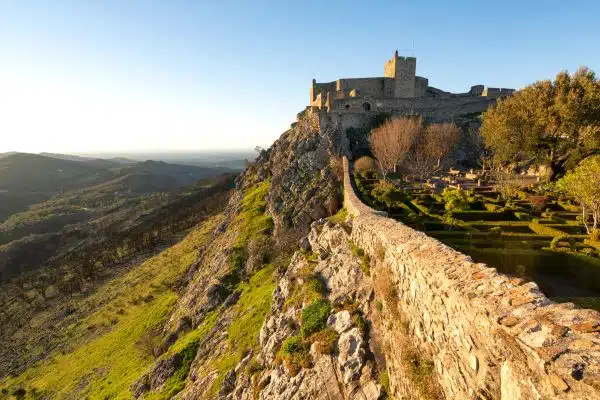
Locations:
348 373
305 169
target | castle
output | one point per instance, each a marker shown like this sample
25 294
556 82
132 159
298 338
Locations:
401 92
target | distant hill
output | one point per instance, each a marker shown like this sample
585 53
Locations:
9 153
73 157
26 178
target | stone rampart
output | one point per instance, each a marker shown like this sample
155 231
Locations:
490 336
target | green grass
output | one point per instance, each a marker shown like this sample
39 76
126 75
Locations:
104 365
252 219
187 346
295 354
248 316
314 317
339 217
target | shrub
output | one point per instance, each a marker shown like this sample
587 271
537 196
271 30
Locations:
255 367
421 373
387 193
455 199
150 343
356 251
360 323
314 317
523 216
495 232
491 207
295 354
563 238
537 202
311 290
508 185
326 341
339 217
364 165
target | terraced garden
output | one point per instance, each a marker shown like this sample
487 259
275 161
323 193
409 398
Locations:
531 235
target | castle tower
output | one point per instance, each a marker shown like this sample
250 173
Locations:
403 71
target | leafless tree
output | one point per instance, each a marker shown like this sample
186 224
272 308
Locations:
391 142
432 145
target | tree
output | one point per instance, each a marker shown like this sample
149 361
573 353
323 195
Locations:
555 123
391 142
583 186
431 146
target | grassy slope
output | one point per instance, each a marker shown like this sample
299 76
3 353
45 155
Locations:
105 365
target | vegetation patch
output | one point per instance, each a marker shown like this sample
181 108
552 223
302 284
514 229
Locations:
314 317
339 217
295 354
186 347
326 341
310 290
421 373
248 316
106 365
252 220
365 260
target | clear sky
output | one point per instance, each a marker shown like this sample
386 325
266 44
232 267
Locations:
142 75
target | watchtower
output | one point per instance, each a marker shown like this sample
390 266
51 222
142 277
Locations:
403 71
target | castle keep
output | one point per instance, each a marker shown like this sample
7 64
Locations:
401 92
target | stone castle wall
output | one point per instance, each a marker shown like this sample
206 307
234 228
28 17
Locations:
489 336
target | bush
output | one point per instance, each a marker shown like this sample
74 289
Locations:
314 317
455 199
387 193
365 259
523 216
255 367
563 238
495 232
339 217
491 207
360 322
365 165
295 354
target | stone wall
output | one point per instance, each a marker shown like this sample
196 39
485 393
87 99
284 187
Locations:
490 336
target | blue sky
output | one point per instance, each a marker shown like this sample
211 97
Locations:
119 75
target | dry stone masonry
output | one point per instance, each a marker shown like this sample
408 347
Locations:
490 336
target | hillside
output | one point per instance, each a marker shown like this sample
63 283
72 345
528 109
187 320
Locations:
283 293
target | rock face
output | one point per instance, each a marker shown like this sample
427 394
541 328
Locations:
305 169
342 375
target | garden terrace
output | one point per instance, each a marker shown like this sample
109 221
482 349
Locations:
534 236
488 334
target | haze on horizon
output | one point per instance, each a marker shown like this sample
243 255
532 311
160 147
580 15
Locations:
147 76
